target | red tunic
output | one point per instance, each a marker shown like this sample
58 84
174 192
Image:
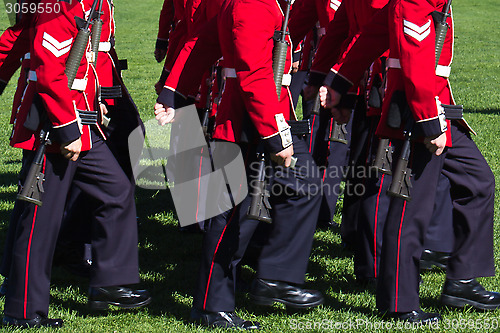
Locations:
407 29
14 44
242 33
351 16
52 36
306 14
175 36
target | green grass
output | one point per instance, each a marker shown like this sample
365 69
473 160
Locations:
169 259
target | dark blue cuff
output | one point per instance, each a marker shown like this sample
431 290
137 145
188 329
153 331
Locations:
161 44
340 84
171 98
2 86
65 134
430 128
274 144
316 79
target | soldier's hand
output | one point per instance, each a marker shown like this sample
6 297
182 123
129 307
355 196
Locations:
160 54
310 92
104 109
164 116
436 144
284 157
71 150
329 97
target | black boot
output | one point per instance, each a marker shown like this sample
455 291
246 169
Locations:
101 297
459 293
266 292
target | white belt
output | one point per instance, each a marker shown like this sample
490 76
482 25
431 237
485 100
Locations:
287 79
443 71
231 73
78 84
104 46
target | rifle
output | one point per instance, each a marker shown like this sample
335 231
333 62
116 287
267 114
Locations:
208 104
339 133
79 46
441 28
259 206
96 32
383 159
32 189
280 51
400 186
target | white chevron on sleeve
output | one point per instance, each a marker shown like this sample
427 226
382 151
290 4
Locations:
415 31
53 45
334 4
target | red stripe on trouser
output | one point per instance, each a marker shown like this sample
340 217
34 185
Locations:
312 133
375 227
28 254
218 243
397 265
213 259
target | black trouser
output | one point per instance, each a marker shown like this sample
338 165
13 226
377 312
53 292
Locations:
332 157
472 192
285 255
114 229
76 230
372 214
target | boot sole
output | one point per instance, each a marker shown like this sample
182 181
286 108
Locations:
104 305
266 301
459 302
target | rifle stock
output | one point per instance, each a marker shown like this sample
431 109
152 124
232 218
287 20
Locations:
259 206
339 133
401 185
32 188
383 160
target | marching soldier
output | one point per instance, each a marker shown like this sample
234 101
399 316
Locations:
308 21
76 156
366 214
441 143
243 34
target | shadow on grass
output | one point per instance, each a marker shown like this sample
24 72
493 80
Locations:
484 111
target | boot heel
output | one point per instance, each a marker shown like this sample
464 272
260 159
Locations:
98 305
